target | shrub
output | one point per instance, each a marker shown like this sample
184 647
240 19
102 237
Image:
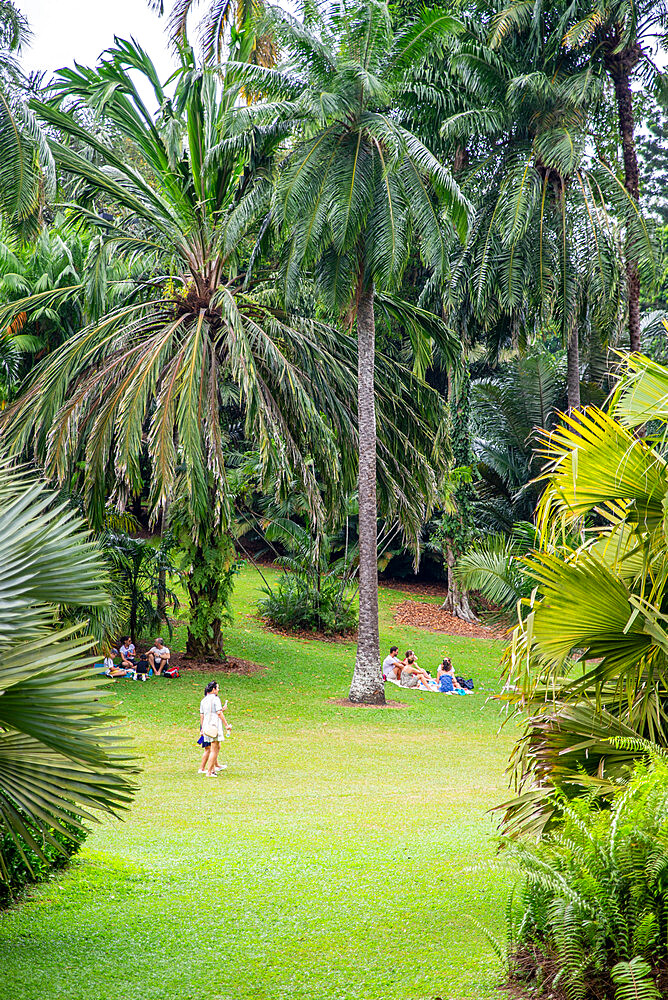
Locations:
593 916
296 604
18 874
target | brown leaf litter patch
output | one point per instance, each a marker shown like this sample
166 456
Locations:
233 665
420 614
347 703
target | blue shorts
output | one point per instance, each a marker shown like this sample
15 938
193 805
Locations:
203 742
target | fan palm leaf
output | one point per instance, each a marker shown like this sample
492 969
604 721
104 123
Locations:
59 761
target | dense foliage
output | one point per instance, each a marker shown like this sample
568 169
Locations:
61 761
590 920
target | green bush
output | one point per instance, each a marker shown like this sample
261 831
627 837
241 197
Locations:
295 603
19 874
592 918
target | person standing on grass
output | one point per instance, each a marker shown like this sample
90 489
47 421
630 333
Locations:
213 725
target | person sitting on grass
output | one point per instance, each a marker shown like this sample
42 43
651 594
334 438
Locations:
116 672
392 665
410 668
158 657
142 667
447 682
127 651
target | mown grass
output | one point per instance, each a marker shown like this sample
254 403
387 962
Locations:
342 855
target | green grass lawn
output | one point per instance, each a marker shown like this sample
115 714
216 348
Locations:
341 855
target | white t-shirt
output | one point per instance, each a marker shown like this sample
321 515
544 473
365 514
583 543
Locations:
210 706
159 654
108 662
389 663
128 650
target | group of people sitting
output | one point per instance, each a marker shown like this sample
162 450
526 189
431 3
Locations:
135 666
408 673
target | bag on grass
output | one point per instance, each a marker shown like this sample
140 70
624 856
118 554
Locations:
171 672
468 684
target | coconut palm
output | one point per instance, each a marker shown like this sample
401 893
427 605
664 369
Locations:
59 762
356 190
197 342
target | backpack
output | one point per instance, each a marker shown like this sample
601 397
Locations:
171 672
468 684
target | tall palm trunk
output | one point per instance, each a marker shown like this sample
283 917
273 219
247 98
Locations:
620 66
367 683
573 370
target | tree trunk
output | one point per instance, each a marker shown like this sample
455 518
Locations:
620 66
367 683
457 600
161 593
573 377
205 638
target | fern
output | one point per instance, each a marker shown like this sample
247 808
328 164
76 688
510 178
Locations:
594 891
634 981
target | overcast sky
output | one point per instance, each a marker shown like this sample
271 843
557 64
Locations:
69 30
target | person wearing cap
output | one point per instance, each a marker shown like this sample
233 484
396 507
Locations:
158 657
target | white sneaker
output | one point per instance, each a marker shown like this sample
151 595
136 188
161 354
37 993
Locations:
201 771
214 775
220 767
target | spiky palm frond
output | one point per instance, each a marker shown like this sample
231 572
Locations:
60 762
593 637
491 566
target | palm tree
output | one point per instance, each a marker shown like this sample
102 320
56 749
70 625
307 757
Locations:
543 248
156 374
221 21
355 190
26 167
59 761
616 37
507 408
197 341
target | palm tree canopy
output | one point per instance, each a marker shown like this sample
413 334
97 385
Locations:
544 246
26 165
355 185
194 336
